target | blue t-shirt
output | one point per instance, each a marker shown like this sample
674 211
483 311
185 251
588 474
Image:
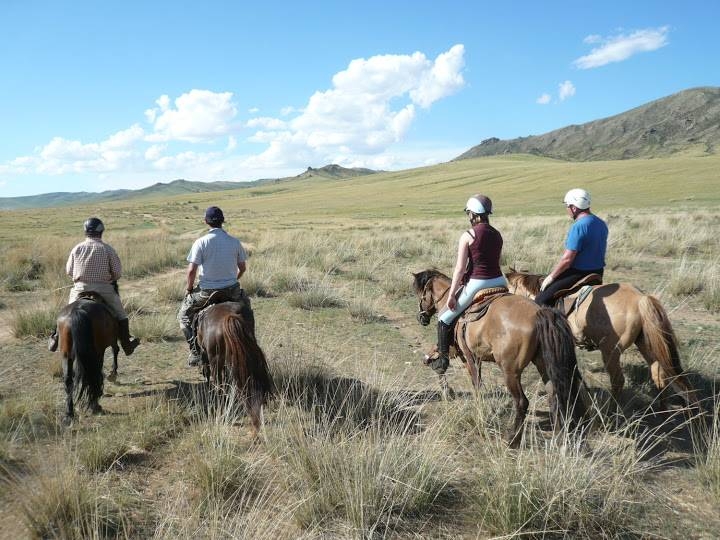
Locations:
588 236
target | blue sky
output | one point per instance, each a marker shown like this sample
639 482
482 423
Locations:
106 95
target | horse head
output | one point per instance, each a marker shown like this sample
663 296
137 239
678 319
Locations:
523 283
424 286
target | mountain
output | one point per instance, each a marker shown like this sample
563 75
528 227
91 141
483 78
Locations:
175 187
688 121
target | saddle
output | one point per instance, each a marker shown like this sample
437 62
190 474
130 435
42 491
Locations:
583 287
474 312
92 295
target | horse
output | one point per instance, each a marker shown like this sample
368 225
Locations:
86 328
230 351
513 333
612 318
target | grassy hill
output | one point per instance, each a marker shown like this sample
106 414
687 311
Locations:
176 187
686 122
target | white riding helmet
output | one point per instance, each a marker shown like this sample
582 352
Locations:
578 198
479 204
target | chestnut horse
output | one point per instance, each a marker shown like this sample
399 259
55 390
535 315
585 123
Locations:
85 329
613 317
231 354
513 333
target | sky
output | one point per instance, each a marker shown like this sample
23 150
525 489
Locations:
107 95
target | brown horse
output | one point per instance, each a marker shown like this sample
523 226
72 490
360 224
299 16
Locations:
231 354
513 333
85 329
613 317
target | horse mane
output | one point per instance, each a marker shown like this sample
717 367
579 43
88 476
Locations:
422 278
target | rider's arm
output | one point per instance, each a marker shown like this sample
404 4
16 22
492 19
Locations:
460 264
191 273
563 264
241 269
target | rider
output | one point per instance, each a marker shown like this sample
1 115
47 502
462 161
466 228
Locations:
477 267
94 266
221 259
585 248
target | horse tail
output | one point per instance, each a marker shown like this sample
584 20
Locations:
661 342
557 347
247 364
88 369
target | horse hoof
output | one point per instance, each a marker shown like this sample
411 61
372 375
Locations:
112 377
67 421
97 409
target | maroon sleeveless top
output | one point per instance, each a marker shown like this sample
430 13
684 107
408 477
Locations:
484 256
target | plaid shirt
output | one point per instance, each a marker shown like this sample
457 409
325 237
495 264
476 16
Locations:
93 261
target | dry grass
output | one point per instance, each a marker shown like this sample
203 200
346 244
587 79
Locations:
356 445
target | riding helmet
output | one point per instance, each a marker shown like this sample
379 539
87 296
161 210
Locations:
93 226
479 204
579 198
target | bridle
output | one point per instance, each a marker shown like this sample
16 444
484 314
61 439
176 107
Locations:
426 313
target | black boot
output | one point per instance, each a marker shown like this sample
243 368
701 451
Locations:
128 342
441 363
53 341
194 358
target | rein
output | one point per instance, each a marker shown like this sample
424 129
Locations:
426 311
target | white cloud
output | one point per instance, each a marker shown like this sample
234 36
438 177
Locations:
622 46
543 99
266 122
358 117
198 116
565 90
253 110
357 122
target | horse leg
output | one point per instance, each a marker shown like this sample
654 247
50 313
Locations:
512 380
446 391
113 374
474 372
611 360
660 378
68 379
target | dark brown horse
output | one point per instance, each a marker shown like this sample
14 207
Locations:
85 329
232 355
513 333
612 318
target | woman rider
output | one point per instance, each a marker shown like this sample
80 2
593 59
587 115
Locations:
477 267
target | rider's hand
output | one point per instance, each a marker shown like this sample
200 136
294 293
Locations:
546 282
452 303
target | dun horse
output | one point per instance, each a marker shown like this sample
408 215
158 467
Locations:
615 316
513 333
85 329
233 355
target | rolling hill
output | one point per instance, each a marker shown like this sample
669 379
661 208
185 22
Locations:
176 187
686 122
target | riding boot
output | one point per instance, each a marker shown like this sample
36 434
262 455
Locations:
194 358
441 363
128 342
53 341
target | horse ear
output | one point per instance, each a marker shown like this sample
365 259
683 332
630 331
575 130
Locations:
512 270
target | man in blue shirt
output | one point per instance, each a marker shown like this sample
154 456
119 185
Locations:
585 248
220 261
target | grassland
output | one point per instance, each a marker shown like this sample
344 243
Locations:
358 443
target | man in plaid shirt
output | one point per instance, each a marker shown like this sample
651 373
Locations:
220 260
94 266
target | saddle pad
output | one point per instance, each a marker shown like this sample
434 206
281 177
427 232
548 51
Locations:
568 305
482 295
476 311
590 279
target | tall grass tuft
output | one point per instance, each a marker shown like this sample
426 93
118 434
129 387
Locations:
707 443
64 503
34 321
